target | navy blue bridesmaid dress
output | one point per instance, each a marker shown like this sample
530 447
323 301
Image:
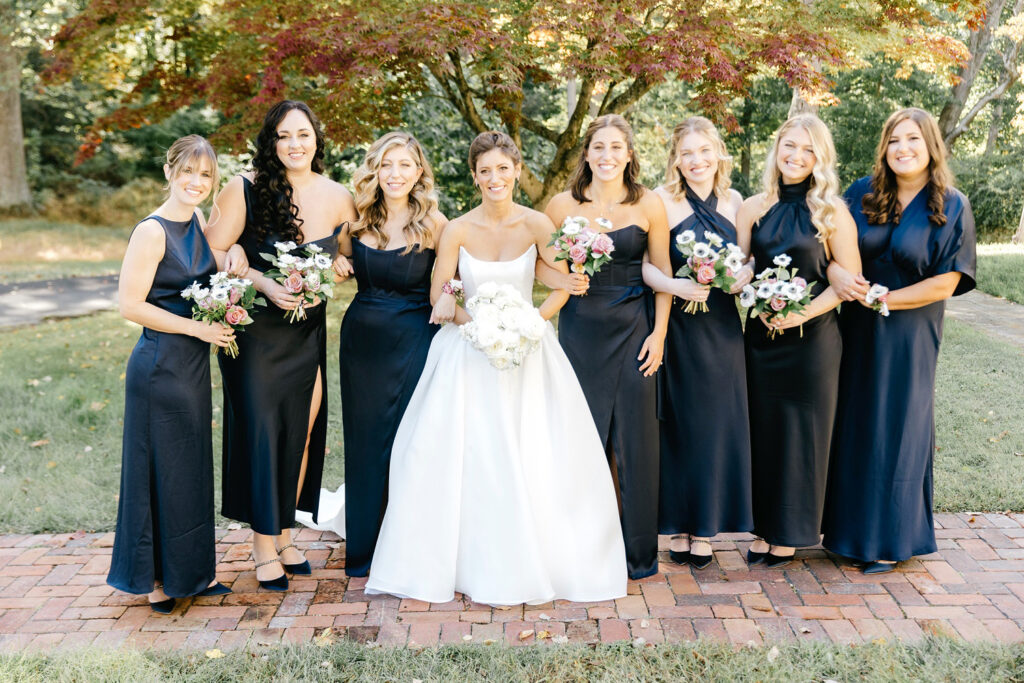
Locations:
879 502
602 334
792 384
385 337
268 389
165 509
705 436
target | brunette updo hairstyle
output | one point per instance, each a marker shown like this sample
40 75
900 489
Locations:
273 211
493 139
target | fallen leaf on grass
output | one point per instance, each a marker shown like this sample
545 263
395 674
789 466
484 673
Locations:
325 638
37 444
50 465
773 654
489 641
215 653
543 635
96 406
525 634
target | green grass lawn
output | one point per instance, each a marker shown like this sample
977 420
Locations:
38 249
935 659
1001 270
61 421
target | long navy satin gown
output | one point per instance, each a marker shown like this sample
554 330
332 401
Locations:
602 334
385 337
705 436
879 502
165 510
792 382
268 389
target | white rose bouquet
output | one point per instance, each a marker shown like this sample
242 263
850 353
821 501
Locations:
505 327
777 292
308 276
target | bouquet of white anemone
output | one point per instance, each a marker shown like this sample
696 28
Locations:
505 327
776 293
227 300
308 277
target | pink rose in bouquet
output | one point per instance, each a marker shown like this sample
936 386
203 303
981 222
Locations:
308 277
293 283
578 253
705 273
710 262
226 301
586 249
235 315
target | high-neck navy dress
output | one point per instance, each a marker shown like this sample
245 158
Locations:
602 334
385 337
705 437
268 389
165 510
879 502
792 382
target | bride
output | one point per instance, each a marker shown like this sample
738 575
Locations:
499 487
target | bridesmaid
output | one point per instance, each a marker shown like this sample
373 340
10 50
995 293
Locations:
165 509
705 438
792 380
916 234
609 335
275 411
386 331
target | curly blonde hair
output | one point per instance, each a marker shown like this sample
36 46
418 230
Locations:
369 198
823 199
674 182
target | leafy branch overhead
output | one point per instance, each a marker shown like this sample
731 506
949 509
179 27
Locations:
357 63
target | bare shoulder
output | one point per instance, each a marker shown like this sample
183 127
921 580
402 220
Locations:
650 200
538 222
248 175
333 189
202 219
561 204
663 194
456 228
436 220
735 199
753 206
148 238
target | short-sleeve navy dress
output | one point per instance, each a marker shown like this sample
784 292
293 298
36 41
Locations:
165 510
879 501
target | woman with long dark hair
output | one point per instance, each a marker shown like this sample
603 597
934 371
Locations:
164 543
916 236
615 335
275 408
792 379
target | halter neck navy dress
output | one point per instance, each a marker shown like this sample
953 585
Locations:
602 334
268 389
792 382
705 437
165 510
385 337
879 502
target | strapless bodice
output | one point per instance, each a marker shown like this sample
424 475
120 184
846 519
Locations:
519 272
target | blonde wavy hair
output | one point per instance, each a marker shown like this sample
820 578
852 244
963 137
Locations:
823 197
674 182
369 198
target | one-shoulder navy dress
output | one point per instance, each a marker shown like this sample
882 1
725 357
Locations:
792 382
602 334
705 435
268 389
879 502
385 337
165 510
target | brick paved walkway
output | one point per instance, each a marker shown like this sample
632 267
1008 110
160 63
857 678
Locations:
52 594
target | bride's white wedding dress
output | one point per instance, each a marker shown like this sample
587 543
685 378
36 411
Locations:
499 488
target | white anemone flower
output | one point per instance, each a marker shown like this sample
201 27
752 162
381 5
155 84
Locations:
701 250
747 296
284 246
713 238
782 260
686 236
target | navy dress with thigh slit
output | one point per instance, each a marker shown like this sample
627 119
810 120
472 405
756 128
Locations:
879 501
602 334
165 509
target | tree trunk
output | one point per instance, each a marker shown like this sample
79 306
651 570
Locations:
14 192
993 128
1018 236
799 105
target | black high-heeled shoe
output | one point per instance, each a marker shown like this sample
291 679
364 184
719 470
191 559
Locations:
163 606
300 568
216 589
879 567
279 584
700 561
773 561
679 556
755 558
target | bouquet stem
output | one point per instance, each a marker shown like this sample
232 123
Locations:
297 313
693 307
